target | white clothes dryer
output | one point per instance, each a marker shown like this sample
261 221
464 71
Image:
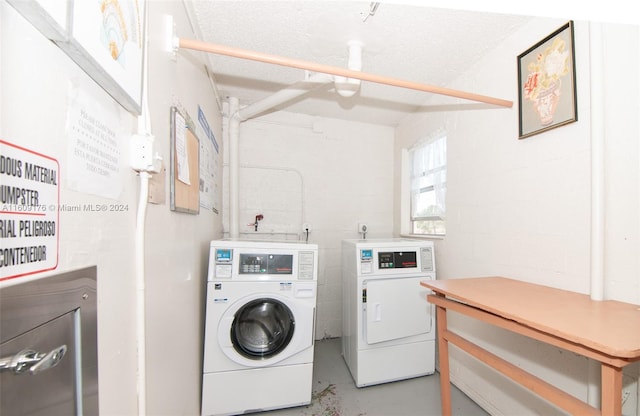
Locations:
259 326
388 331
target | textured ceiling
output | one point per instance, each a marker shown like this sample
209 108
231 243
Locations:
413 43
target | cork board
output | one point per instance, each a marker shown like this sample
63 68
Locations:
185 165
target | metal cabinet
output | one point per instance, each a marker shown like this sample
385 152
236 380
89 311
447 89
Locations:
48 346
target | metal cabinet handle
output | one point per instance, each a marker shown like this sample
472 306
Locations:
32 361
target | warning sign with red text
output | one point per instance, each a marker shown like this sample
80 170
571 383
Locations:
29 219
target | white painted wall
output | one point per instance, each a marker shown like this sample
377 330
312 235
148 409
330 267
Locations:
35 82
622 161
521 208
331 174
517 208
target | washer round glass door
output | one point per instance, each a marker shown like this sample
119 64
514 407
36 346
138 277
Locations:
262 328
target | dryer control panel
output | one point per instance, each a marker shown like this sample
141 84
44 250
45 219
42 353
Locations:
403 260
397 260
427 259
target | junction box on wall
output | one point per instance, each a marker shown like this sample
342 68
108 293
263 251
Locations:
141 156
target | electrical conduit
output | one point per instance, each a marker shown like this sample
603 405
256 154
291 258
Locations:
140 294
144 129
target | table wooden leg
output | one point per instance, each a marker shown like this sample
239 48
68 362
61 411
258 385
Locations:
611 381
443 354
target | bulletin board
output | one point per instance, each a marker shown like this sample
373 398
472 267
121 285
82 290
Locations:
185 165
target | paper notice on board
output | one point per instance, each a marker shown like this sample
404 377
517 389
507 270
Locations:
182 158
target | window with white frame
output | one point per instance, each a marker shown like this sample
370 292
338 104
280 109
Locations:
428 185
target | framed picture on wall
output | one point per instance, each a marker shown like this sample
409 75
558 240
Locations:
547 83
105 38
107 41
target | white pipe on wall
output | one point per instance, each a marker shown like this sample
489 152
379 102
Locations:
597 161
234 133
597 191
144 128
140 294
637 298
638 178
294 91
347 87
238 115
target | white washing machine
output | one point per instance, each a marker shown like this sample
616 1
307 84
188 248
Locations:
259 326
388 325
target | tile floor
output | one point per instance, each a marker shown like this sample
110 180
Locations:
335 393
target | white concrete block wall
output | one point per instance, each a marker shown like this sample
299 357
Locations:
345 170
522 208
278 191
501 218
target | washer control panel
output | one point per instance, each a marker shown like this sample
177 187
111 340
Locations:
262 264
266 263
223 263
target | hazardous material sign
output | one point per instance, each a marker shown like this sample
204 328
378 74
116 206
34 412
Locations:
29 215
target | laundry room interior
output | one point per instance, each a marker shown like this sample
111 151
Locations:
286 153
